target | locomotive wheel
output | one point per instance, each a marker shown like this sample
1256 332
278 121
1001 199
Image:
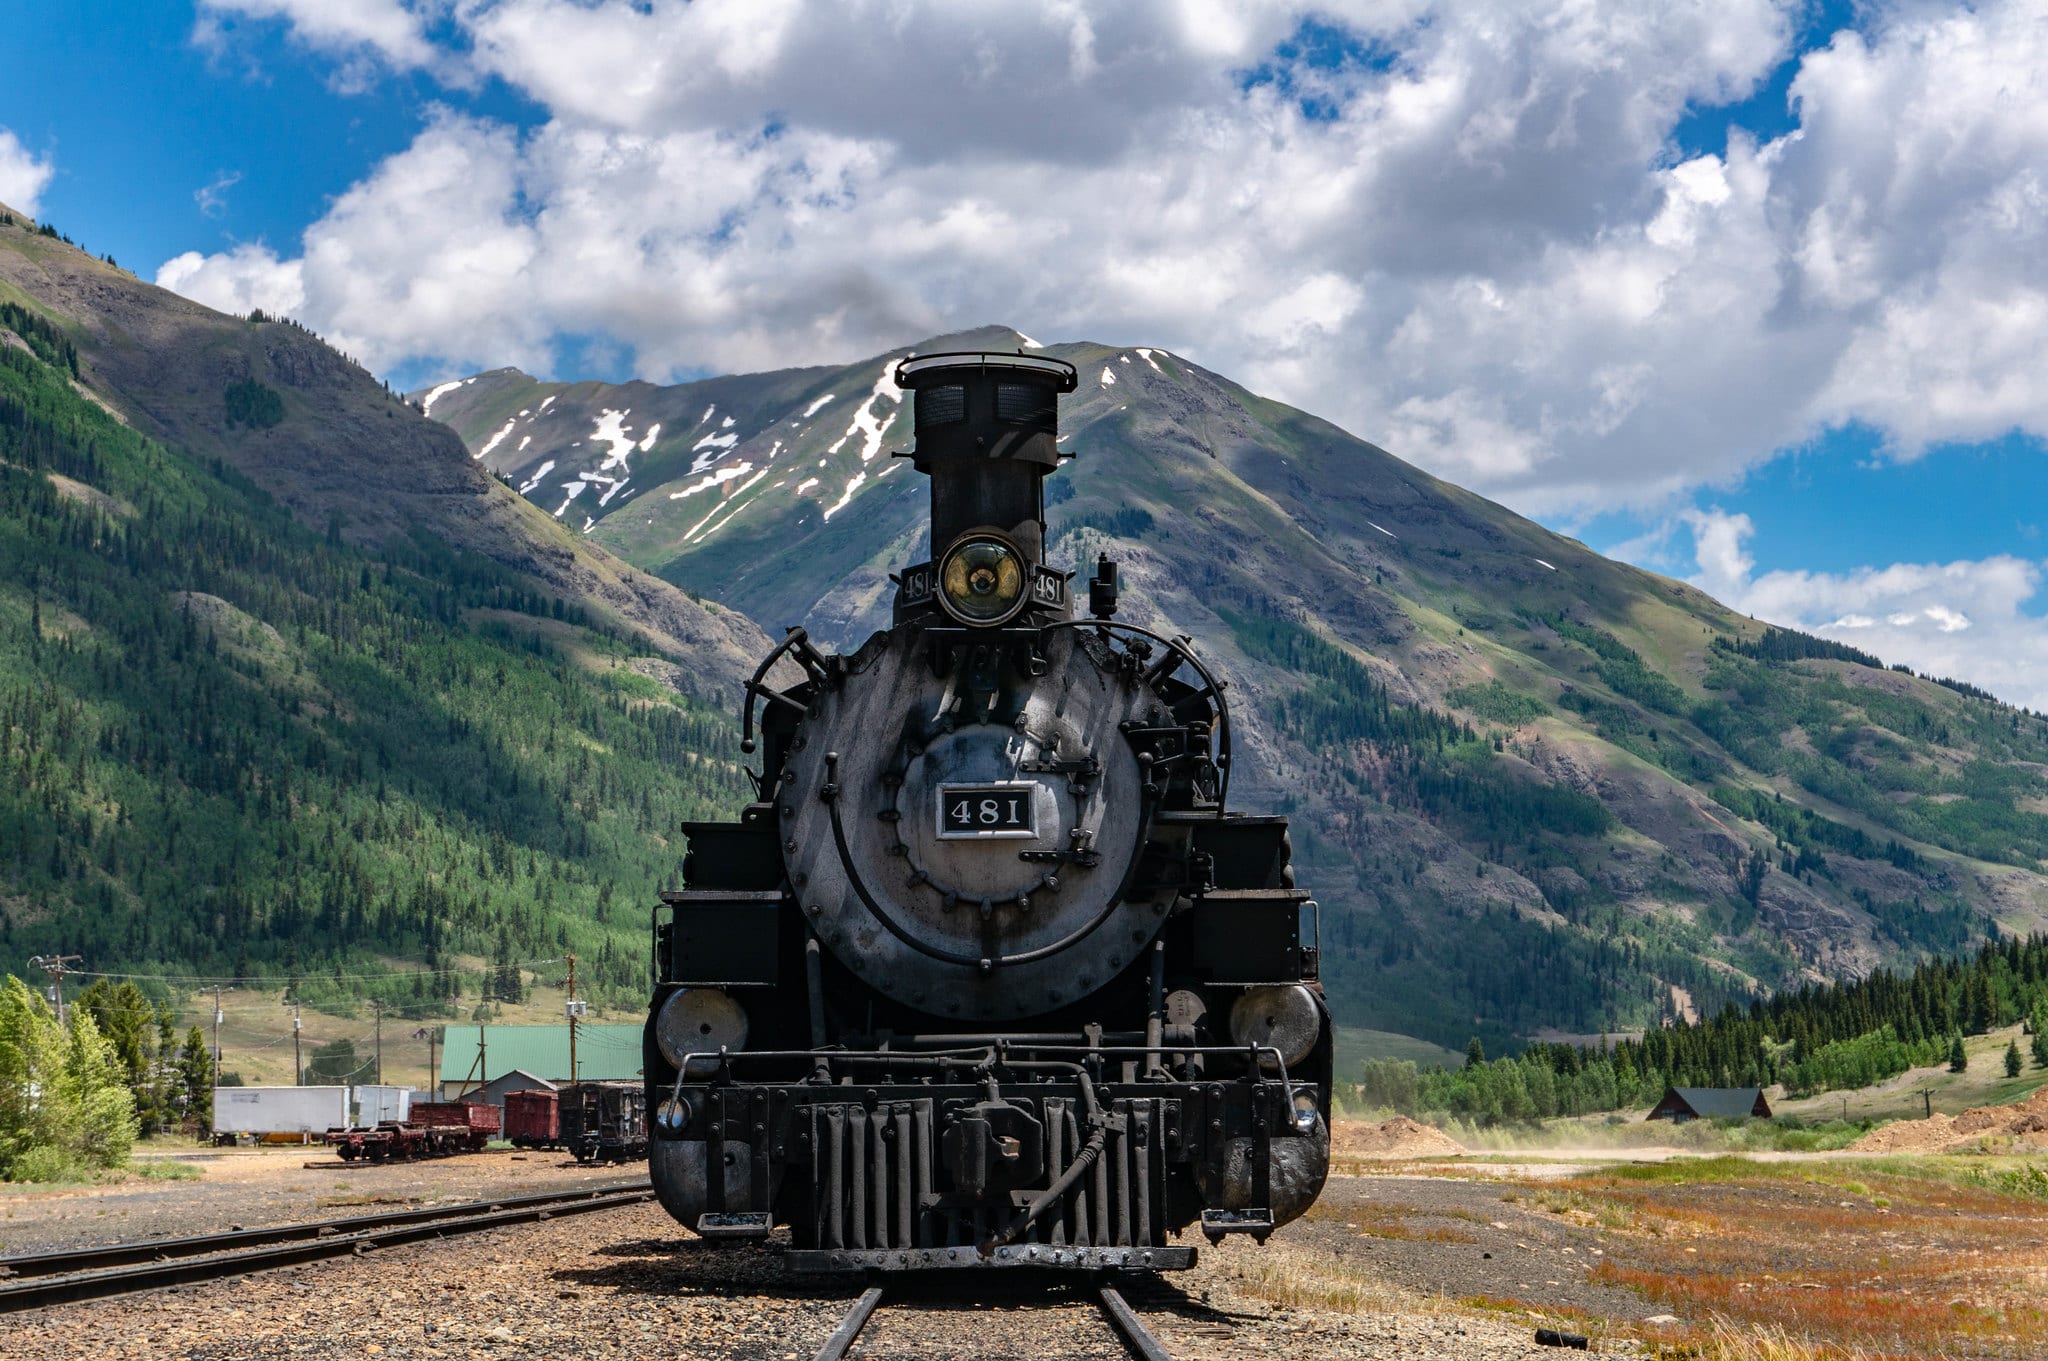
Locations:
347 1152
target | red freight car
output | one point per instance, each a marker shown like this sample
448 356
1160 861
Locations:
533 1119
434 1129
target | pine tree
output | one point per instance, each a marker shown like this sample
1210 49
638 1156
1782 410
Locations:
2013 1062
1958 1060
1475 1053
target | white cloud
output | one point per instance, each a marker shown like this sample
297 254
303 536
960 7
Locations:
238 281
23 176
1962 619
391 30
212 197
1489 259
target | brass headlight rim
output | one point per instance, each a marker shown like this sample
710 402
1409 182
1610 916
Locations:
967 540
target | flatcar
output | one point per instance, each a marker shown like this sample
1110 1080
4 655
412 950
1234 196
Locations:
432 1129
988 974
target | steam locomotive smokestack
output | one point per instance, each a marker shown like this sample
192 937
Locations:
987 429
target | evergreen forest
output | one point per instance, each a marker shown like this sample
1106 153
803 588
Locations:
231 745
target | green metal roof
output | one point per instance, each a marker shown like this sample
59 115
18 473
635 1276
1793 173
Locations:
603 1052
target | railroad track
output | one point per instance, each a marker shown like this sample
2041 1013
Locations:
1130 1329
39 1280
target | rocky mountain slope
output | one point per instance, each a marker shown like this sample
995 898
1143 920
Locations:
1537 791
331 444
291 689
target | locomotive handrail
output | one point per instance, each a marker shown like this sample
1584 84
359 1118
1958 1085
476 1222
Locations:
796 638
1043 365
1215 689
995 1056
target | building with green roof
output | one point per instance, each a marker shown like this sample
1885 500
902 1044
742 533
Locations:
603 1053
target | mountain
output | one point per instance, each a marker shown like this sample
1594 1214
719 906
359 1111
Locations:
289 684
329 442
1536 791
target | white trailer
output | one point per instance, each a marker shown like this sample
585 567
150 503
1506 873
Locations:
373 1105
279 1110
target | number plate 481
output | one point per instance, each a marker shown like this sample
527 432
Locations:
980 811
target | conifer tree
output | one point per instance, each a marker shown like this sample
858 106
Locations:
1958 1059
2013 1062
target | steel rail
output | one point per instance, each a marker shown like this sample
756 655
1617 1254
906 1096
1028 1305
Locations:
1124 1321
155 1249
275 1247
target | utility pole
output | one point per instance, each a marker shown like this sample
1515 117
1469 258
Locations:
298 1068
574 1011
216 1037
53 965
377 1004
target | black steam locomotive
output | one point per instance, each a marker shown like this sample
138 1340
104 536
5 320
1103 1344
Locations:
987 975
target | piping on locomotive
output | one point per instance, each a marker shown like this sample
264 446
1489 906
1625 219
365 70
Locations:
987 975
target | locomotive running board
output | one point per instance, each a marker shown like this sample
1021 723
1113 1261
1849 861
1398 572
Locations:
1040 1255
739 1224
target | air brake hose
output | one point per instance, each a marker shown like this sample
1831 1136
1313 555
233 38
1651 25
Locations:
1063 1183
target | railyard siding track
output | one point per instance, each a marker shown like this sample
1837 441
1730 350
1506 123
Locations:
120 1269
1124 1321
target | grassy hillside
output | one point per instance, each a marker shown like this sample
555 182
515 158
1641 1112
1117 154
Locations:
233 743
1533 788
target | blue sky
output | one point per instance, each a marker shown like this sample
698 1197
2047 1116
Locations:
1613 274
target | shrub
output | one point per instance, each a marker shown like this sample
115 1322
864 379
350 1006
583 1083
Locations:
65 1107
252 404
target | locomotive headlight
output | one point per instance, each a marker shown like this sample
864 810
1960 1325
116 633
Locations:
699 1021
1284 1017
981 580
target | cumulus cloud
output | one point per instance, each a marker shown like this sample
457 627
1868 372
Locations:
1468 237
1965 619
390 30
23 176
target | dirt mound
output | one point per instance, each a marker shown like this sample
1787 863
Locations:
1399 1137
1908 1136
1942 1133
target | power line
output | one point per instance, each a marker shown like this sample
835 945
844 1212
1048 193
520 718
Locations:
308 975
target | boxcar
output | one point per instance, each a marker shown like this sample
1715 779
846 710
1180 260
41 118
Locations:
533 1118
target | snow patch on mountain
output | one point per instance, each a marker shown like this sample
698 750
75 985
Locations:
538 473
574 490
1108 378
867 425
851 487
815 407
734 505
806 485
611 430
737 470
652 432
492 443
427 402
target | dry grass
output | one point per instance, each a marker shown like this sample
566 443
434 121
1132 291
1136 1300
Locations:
1392 1221
1295 1278
1875 1266
1578 1207
1762 1342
